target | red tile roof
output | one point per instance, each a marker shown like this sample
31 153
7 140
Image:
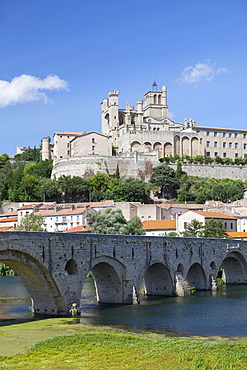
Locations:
9 214
5 228
9 219
159 224
214 215
237 234
29 206
78 229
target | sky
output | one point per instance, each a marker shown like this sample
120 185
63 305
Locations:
59 59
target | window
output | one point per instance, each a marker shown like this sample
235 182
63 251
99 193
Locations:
215 134
230 135
56 219
185 224
231 225
224 134
244 135
208 143
207 133
224 155
224 145
215 144
208 154
93 140
215 154
245 155
245 146
230 145
201 141
225 225
67 145
236 145
67 152
235 135
236 155
64 219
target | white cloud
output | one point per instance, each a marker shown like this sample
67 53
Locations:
201 72
26 88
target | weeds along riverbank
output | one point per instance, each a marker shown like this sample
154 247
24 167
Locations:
64 344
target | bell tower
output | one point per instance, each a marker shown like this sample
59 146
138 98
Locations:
156 103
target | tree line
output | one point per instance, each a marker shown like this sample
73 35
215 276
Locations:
29 179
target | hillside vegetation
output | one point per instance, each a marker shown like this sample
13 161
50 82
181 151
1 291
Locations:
28 179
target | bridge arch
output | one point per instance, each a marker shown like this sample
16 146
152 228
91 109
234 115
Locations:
71 267
109 275
196 277
45 295
157 280
235 268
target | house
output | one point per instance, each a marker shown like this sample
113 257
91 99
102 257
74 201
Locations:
8 221
229 222
156 228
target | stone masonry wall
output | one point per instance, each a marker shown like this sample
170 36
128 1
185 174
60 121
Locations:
139 166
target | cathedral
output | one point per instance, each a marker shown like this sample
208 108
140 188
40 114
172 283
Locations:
145 130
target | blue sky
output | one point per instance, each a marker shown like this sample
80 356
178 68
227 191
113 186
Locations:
59 59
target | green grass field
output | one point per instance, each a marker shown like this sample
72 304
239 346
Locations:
57 344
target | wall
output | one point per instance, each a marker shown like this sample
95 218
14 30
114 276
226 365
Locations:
139 166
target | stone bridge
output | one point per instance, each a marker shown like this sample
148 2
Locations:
53 266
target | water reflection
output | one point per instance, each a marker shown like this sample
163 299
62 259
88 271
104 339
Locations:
205 313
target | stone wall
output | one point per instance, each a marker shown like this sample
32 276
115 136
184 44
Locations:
215 171
139 166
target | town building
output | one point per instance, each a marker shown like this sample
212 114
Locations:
159 228
229 222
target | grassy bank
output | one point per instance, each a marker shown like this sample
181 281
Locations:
57 344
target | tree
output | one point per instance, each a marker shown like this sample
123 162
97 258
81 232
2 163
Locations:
29 155
214 229
130 190
193 229
32 222
165 177
113 222
211 229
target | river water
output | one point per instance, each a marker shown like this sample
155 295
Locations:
221 313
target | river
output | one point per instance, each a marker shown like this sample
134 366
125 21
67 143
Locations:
222 313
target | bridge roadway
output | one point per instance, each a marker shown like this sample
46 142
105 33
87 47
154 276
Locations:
53 266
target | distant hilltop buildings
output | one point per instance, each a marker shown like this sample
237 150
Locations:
135 138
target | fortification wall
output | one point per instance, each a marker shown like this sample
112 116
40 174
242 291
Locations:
139 166
215 171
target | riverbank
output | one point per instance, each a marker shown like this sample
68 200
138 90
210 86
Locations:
67 344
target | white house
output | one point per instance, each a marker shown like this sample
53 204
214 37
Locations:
158 227
229 222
